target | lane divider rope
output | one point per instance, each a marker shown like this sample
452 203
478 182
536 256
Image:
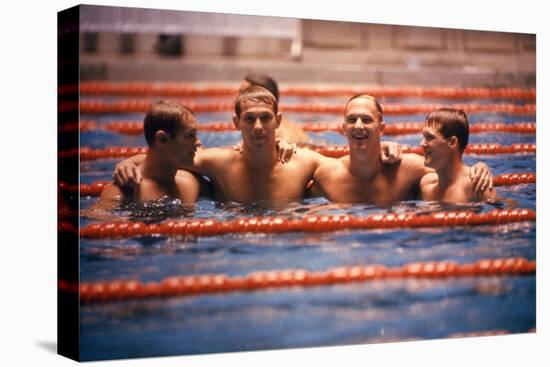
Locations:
334 151
481 149
141 106
393 128
317 224
173 286
191 90
95 188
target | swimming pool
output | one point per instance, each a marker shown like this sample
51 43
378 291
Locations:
361 312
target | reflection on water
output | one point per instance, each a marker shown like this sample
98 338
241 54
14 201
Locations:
155 211
167 208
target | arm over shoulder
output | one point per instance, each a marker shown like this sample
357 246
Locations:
322 176
206 160
415 163
315 158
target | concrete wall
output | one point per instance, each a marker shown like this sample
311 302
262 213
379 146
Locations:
327 52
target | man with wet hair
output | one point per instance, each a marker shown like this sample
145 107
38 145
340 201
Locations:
255 174
445 137
288 131
360 177
170 130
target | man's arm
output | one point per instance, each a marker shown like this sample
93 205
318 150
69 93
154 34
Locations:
415 171
126 172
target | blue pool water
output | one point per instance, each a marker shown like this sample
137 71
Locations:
371 312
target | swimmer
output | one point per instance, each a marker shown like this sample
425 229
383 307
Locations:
360 177
170 130
288 131
445 137
254 174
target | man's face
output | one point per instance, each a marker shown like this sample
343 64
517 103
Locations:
436 147
362 124
182 147
257 123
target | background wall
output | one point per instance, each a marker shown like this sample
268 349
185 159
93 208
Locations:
295 51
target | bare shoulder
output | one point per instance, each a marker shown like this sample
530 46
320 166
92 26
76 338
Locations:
216 153
330 168
314 157
306 153
429 179
414 164
215 156
186 178
413 160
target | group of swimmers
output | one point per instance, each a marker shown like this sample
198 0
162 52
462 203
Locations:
257 172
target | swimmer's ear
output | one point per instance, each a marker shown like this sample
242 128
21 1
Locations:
278 119
453 142
236 122
161 136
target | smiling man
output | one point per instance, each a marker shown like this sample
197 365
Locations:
445 137
256 175
288 131
360 177
170 130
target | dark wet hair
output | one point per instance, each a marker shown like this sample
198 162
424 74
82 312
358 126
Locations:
255 93
451 122
165 116
264 81
367 96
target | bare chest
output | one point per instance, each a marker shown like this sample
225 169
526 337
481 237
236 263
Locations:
284 183
381 190
458 192
150 191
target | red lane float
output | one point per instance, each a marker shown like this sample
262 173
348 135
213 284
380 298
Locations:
93 189
141 106
191 90
508 179
511 179
395 128
214 283
325 223
335 151
87 154
484 149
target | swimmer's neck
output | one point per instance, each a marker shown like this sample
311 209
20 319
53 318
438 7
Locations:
158 169
261 159
451 172
365 164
